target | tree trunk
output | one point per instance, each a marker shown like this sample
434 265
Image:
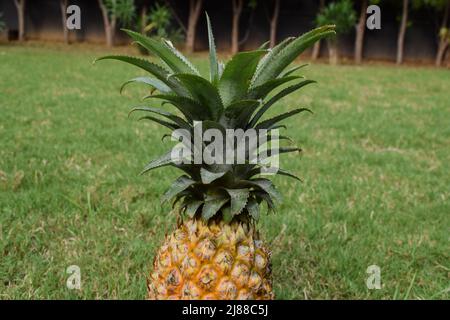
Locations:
274 24
333 52
443 46
112 33
443 41
237 10
316 48
360 28
110 25
195 7
63 6
249 27
446 59
143 18
20 6
402 32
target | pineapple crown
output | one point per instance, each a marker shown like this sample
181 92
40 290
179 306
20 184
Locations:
235 95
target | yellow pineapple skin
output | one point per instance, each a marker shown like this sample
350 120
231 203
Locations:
211 261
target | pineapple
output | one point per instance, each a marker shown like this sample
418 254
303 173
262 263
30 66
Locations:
216 251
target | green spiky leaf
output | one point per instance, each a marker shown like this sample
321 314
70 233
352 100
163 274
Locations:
264 196
182 58
229 99
165 160
236 77
238 199
237 115
167 53
190 108
265 185
253 209
155 83
283 93
167 124
208 176
192 207
226 214
283 172
271 68
261 91
269 123
176 119
213 203
279 171
264 46
204 92
179 185
270 55
157 71
292 70
279 150
213 64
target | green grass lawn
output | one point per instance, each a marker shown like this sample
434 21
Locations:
376 190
